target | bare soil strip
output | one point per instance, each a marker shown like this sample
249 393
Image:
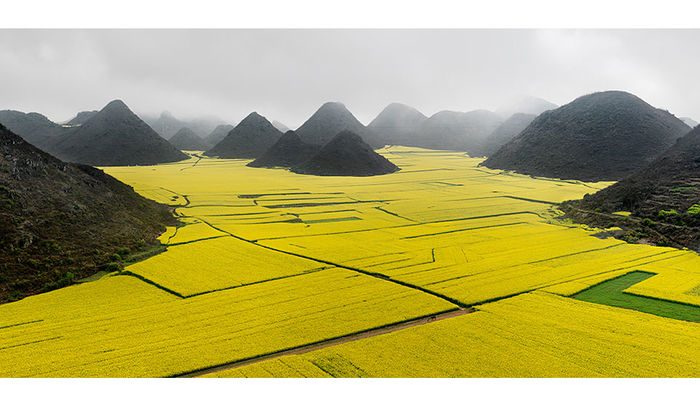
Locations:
330 342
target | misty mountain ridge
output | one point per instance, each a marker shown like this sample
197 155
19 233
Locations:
525 104
249 139
114 136
597 137
218 134
506 131
460 131
166 125
329 120
186 139
397 123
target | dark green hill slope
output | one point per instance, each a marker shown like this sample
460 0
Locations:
663 197
60 222
249 139
288 151
347 155
597 137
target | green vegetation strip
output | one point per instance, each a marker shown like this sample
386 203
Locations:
611 293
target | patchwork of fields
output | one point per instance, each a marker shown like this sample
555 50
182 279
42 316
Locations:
267 261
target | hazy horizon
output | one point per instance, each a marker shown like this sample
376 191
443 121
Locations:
286 75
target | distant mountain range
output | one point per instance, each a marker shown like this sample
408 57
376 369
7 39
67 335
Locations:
616 128
478 132
525 104
505 132
166 125
186 139
218 134
462 131
597 137
397 124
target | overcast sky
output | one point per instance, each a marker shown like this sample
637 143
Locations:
286 75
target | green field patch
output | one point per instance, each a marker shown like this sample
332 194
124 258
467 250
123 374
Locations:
610 292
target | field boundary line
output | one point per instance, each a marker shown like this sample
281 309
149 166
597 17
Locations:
325 343
365 272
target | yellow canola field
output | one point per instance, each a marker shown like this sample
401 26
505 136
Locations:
531 335
216 264
671 284
101 297
192 230
161 335
442 223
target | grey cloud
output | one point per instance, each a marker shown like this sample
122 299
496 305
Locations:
287 74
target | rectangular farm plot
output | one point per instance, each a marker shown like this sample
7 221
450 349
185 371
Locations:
478 260
193 230
105 296
183 335
531 335
669 284
216 264
614 292
503 276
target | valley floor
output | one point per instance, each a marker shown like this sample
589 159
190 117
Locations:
443 269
